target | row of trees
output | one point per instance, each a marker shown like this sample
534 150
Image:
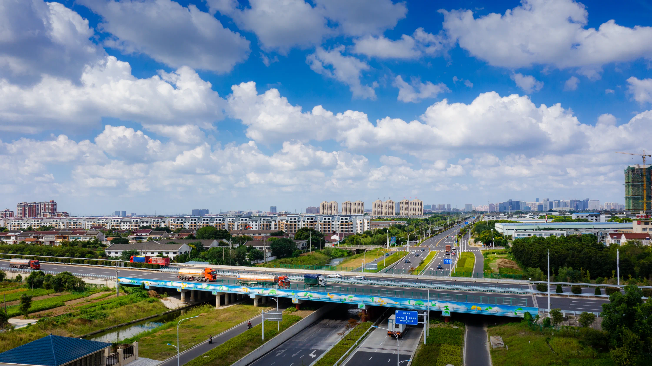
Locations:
583 257
74 251
64 281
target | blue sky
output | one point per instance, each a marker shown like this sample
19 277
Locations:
166 106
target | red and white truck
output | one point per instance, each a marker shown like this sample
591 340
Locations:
197 274
24 263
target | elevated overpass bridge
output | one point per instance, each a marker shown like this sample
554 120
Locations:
361 296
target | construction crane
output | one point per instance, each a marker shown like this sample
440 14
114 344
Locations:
644 176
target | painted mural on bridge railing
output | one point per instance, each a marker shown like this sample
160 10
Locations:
355 299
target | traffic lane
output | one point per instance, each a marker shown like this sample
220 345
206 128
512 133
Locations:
380 348
305 346
572 303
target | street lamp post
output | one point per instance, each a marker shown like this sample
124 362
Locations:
548 281
618 265
179 323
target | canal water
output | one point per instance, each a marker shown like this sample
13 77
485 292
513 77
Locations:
117 335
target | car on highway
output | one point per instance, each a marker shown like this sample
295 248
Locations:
439 266
447 253
423 250
359 278
336 275
416 255
407 261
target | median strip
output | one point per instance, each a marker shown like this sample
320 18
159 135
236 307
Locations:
426 262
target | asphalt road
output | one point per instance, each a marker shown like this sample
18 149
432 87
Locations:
380 349
476 348
306 346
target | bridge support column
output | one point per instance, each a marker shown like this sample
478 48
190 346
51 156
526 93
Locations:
218 300
193 295
183 295
257 301
226 298
233 298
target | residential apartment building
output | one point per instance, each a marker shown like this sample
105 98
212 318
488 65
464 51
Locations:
380 208
36 209
6 214
352 208
289 223
312 210
328 208
411 208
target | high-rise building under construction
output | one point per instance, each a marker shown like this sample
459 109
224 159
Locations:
638 193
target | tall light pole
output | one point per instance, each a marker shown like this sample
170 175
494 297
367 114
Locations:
117 284
178 362
548 281
618 265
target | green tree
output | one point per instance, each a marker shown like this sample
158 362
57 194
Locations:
19 278
66 281
119 240
255 255
278 233
126 254
557 317
46 228
35 279
25 304
211 232
305 233
559 290
4 318
3 275
586 319
283 247
628 320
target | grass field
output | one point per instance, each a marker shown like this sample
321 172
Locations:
85 318
49 303
356 261
465 265
443 346
425 263
306 259
211 321
15 293
535 348
241 345
344 344
498 261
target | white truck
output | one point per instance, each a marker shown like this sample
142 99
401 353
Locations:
393 329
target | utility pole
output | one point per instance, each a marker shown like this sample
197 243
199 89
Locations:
117 284
311 241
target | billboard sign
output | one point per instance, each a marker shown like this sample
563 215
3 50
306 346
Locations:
407 317
392 240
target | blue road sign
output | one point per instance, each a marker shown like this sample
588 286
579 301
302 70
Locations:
407 317
447 261
392 240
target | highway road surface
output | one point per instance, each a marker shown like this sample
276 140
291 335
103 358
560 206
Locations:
306 346
379 349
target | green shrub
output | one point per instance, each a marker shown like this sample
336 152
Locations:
597 291
559 290
546 322
576 289
542 287
557 318
611 290
449 355
586 319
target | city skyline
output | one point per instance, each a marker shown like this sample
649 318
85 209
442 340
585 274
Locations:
231 107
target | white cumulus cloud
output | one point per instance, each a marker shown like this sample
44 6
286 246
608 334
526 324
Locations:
171 34
547 32
571 83
345 69
417 91
527 82
640 89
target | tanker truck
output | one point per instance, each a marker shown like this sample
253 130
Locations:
263 279
24 263
197 274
